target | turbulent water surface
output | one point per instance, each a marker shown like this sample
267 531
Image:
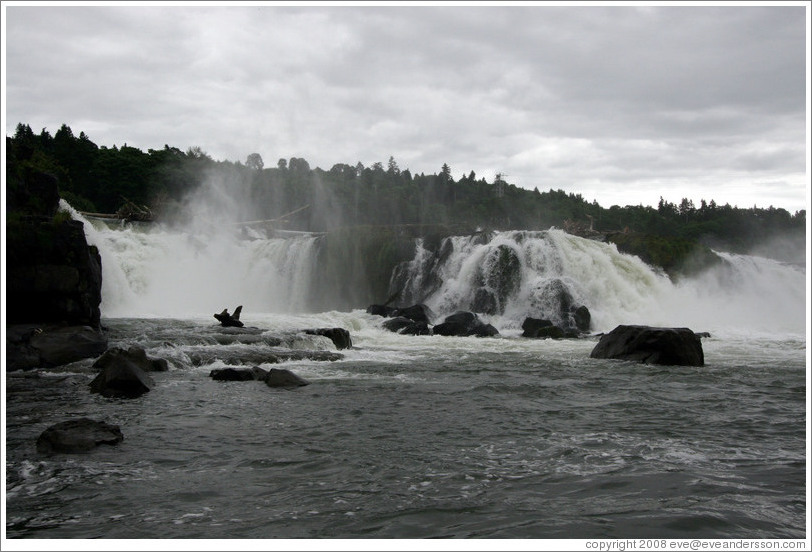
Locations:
424 436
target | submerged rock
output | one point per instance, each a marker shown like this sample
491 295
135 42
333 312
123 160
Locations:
279 377
650 345
135 355
239 374
75 436
236 356
339 336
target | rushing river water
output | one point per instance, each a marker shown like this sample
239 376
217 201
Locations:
425 436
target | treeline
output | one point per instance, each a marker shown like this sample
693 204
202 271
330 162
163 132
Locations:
101 179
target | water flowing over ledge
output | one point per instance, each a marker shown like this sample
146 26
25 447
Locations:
157 271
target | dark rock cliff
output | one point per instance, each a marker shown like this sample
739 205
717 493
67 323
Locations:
53 277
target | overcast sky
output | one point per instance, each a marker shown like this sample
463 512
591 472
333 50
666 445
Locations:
620 104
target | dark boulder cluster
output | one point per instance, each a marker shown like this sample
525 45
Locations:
464 324
416 320
543 328
412 320
275 377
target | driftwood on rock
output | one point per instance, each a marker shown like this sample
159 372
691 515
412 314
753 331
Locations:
230 319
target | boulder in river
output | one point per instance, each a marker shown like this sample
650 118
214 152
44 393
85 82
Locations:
124 373
464 324
651 345
80 435
531 326
280 377
339 336
403 325
418 313
239 374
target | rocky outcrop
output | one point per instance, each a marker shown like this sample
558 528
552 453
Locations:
124 373
275 377
498 279
31 346
339 336
464 324
53 275
76 436
650 345
53 279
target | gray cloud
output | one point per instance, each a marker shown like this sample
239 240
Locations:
620 104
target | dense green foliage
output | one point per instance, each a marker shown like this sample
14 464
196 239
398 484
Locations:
100 179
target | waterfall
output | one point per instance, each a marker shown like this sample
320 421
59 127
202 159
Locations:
165 272
546 274
506 276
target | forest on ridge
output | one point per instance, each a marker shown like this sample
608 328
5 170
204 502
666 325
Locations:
100 179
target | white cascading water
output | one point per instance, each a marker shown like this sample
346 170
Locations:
170 273
747 294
